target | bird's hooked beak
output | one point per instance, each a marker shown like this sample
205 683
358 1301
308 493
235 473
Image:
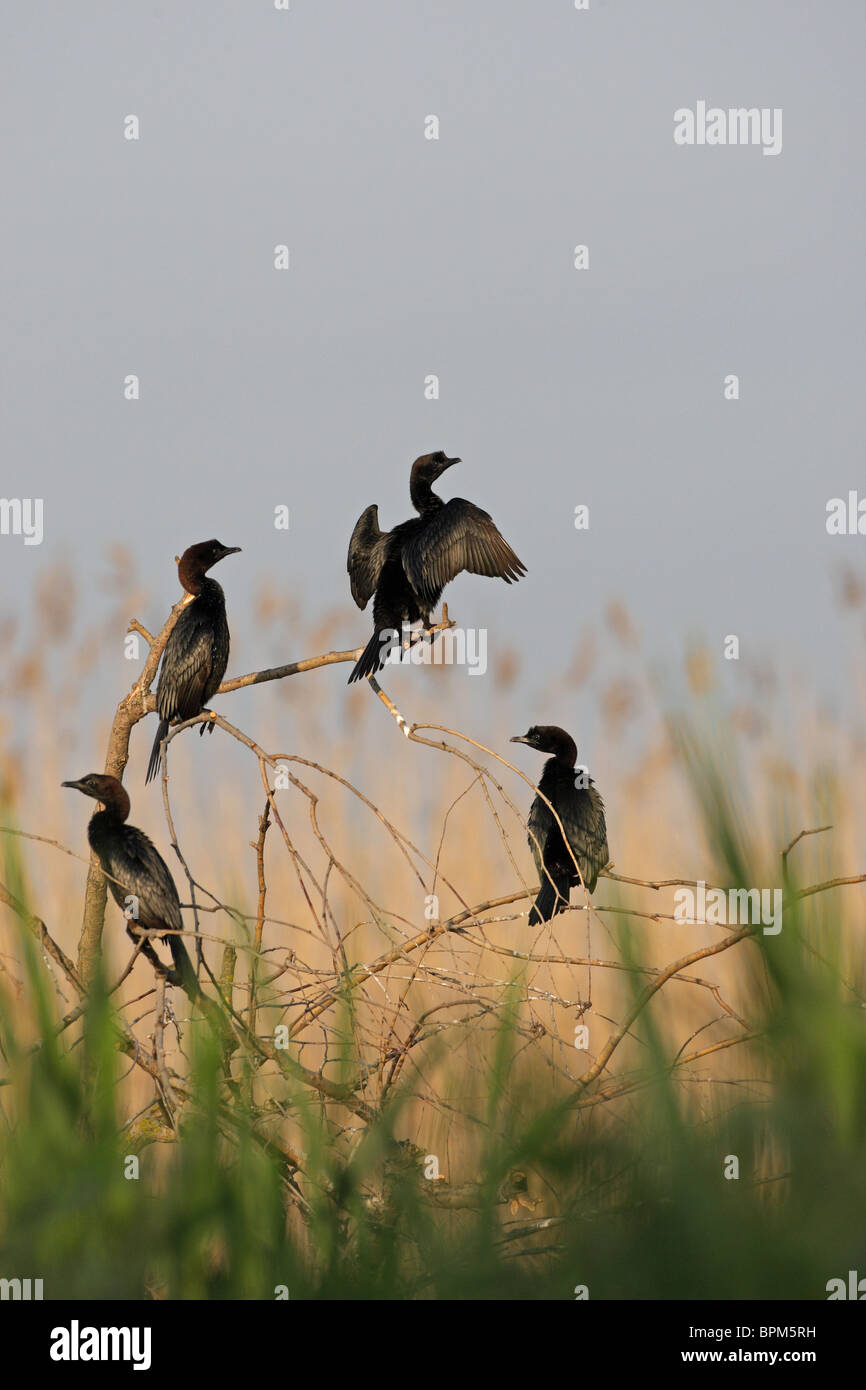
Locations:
78 786
521 738
446 463
229 550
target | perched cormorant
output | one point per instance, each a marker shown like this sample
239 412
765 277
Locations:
197 652
581 811
408 568
137 874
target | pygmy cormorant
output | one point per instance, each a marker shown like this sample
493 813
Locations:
137 874
581 811
197 652
407 568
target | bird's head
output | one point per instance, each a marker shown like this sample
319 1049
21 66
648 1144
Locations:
429 467
101 787
549 738
206 554
196 560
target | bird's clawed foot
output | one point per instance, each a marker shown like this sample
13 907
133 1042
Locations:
444 621
143 937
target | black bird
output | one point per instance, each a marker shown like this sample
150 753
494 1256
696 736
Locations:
136 870
197 652
581 811
408 568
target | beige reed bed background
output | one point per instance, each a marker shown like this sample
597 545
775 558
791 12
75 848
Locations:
332 875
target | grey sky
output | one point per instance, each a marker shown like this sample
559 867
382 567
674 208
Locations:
453 257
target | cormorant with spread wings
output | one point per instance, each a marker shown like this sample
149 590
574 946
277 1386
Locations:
405 570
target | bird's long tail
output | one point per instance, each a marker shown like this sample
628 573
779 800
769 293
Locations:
372 658
153 765
553 897
184 966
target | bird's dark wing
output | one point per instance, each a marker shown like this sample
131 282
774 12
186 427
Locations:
366 555
582 816
581 811
539 827
555 874
141 870
459 536
186 666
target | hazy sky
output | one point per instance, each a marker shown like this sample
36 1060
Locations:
453 256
